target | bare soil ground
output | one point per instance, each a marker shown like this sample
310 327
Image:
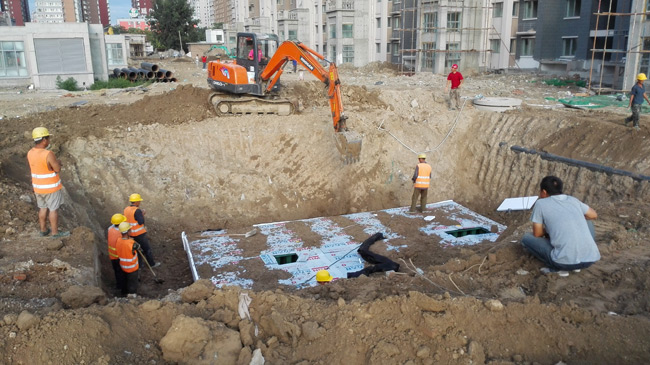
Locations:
478 304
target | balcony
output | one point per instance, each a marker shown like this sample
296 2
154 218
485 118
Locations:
338 5
287 15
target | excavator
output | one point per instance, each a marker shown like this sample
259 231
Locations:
250 83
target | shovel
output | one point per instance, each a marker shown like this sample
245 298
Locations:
155 277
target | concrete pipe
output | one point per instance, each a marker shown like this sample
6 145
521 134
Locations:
173 79
149 66
168 74
119 73
160 74
130 74
138 72
148 74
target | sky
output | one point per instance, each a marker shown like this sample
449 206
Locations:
119 9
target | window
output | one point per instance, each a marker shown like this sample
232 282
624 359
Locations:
389 21
348 54
513 45
530 9
495 45
428 56
453 21
430 22
293 35
12 60
497 12
527 45
114 54
377 47
572 8
645 57
378 22
569 46
333 56
452 57
347 31
515 9
280 2
333 31
396 23
395 49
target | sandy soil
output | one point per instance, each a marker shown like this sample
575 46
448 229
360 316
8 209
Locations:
480 304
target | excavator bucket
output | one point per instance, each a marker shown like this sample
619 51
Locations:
349 145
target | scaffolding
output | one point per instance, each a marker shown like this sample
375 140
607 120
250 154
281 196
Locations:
635 43
424 43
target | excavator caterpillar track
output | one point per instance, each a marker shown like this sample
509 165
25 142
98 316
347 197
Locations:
226 104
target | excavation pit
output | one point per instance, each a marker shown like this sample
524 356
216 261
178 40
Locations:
301 248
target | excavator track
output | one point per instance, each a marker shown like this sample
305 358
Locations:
226 104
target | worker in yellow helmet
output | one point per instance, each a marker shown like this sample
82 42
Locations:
112 236
636 100
421 179
135 216
45 169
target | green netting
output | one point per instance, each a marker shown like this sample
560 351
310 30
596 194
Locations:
599 101
562 82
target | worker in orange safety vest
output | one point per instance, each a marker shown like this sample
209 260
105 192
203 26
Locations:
127 251
421 179
112 236
135 216
45 169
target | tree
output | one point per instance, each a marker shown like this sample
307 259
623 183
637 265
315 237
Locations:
171 19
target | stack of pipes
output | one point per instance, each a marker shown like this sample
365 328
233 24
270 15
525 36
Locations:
146 71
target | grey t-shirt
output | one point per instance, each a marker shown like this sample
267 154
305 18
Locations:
563 217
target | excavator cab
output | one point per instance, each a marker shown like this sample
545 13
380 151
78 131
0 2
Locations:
254 50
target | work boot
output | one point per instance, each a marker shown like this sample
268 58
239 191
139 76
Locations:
637 128
627 120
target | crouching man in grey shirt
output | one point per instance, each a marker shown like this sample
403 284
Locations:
563 234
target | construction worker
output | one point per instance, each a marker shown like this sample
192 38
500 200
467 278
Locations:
637 94
323 277
563 234
421 179
454 82
113 235
127 251
45 169
135 217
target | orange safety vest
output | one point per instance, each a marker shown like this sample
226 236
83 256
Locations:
128 256
136 229
113 235
44 180
424 176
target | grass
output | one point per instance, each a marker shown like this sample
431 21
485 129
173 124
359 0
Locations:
117 83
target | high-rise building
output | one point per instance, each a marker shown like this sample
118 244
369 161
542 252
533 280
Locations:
72 11
203 12
17 10
144 6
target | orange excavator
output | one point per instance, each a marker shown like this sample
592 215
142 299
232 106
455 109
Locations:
250 83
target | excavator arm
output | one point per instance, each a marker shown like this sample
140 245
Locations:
309 59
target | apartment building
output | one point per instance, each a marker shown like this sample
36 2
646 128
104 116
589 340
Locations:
14 12
72 11
502 36
204 12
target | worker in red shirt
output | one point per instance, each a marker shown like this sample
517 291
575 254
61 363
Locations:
205 61
454 81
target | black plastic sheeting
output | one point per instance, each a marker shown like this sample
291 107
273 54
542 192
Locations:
588 165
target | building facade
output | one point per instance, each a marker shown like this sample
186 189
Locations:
72 11
16 12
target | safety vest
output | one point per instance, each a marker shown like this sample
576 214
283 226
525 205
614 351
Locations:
128 256
113 235
136 229
44 180
424 173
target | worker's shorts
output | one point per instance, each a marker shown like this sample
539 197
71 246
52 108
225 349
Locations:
51 201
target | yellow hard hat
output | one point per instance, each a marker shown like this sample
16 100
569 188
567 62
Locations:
135 197
422 155
124 227
323 276
117 218
641 77
39 132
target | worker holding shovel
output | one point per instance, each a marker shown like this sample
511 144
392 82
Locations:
127 251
